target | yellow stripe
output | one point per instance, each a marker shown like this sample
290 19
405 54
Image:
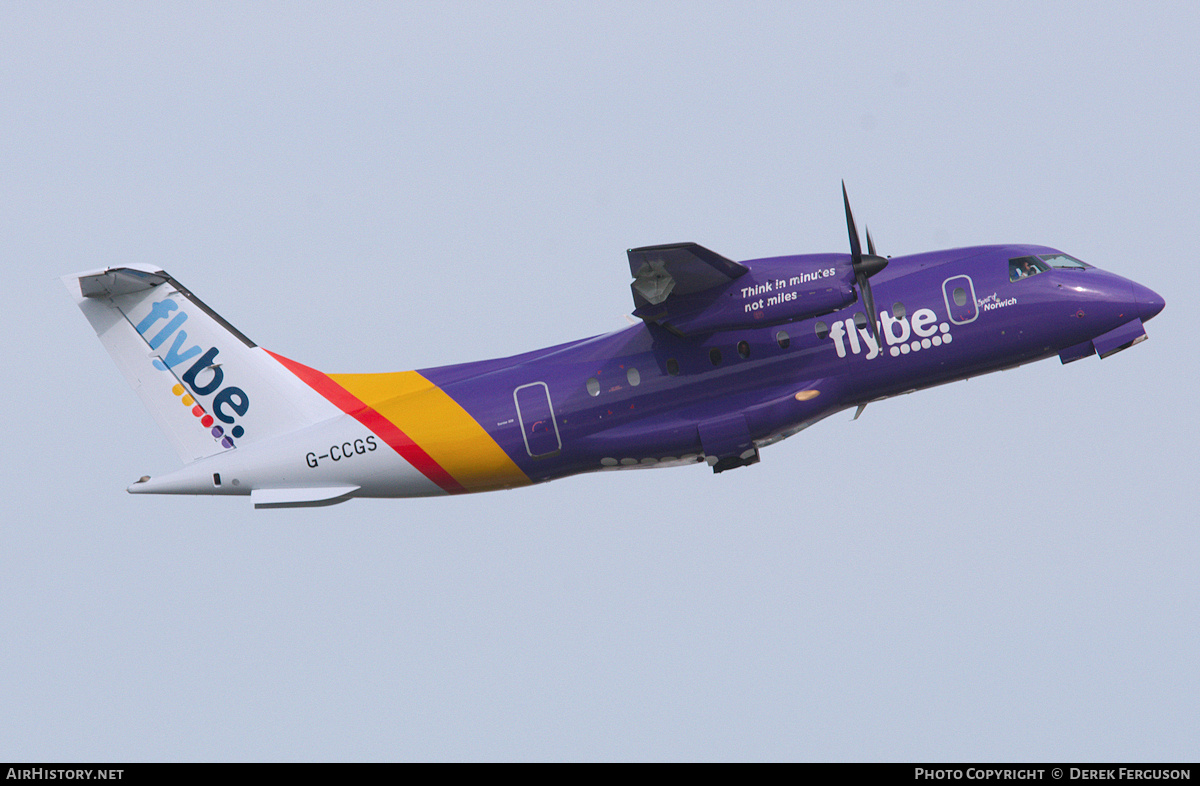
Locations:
437 423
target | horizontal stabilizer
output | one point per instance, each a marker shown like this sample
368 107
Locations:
300 498
119 281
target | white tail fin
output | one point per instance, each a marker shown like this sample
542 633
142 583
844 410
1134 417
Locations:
208 386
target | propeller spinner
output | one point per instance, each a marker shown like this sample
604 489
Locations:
865 266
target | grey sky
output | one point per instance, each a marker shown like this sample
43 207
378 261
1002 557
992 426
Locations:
998 569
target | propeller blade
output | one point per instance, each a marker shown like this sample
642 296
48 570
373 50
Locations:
868 297
855 246
865 266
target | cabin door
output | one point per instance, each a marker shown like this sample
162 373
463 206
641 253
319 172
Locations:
959 293
535 414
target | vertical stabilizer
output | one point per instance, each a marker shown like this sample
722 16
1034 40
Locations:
208 386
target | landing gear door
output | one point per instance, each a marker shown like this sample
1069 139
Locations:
959 293
535 414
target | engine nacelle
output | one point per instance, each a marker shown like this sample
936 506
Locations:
773 291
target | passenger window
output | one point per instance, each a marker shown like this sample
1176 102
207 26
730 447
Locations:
714 355
634 377
593 387
781 338
673 367
960 296
898 310
860 320
822 330
744 349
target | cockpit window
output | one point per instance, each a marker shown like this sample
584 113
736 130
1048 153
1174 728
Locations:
1024 267
1062 261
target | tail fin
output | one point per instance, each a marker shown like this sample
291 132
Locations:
208 386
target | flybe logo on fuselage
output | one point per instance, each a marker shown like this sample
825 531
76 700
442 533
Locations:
901 335
228 404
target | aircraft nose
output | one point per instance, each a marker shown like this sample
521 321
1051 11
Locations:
1149 302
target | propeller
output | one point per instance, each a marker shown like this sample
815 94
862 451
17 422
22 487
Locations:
865 266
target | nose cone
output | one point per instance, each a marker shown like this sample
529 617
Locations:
1149 302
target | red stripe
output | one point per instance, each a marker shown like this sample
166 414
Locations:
386 430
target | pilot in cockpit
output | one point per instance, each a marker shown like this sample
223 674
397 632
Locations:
1022 267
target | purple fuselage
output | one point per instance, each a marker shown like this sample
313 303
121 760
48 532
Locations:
646 396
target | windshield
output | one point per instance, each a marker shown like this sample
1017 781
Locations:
1063 262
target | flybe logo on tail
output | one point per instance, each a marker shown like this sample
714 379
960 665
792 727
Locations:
205 376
